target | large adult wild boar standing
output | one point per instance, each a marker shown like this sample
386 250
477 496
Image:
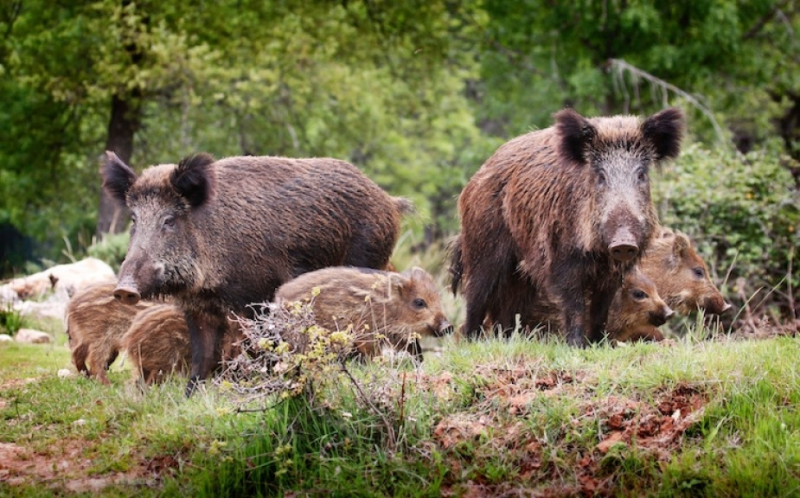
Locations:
559 216
219 235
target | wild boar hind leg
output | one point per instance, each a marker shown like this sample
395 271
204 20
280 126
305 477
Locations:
205 333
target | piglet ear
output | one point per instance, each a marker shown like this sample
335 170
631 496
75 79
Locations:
398 282
576 133
415 272
193 179
117 177
681 245
664 130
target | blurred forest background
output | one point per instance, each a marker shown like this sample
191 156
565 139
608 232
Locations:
416 93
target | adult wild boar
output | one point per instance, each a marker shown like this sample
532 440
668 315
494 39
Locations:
219 235
380 308
573 203
681 275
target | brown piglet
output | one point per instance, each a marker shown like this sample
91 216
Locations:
157 343
637 310
681 275
380 308
95 324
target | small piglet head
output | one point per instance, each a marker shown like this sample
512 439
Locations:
641 296
686 278
163 250
614 155
416 305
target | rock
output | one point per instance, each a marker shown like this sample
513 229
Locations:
65 373
8 295
65 278
30 336
48 309
6 338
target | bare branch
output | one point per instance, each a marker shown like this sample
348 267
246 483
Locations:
620 67
764 20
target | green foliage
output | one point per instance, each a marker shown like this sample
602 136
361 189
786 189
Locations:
10 320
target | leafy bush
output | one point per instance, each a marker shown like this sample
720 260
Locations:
10 320
743 212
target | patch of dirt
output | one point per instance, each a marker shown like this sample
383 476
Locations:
761 328
460 427
517 386
68 468
656 429
16 383
494 426
441 385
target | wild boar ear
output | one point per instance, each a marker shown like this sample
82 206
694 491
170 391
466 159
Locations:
117 177
193 179
664 130
681 245
575 133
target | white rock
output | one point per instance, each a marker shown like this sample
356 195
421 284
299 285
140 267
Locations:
6 338
30 336
8 295
47 309
65 373
65 278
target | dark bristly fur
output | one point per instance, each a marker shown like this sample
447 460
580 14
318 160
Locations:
117 176
193 179
396 306
557 217
221 235
456 267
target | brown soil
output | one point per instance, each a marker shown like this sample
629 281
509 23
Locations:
66 468
498 425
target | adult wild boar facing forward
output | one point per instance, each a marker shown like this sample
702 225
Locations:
219 235
559 216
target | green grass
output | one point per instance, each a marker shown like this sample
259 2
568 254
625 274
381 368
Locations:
486 417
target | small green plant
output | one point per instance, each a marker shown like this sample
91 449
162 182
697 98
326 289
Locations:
10 320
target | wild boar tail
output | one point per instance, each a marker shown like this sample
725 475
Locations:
456 264
404 206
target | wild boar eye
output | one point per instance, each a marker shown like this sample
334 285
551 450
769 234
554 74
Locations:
420 303
699 273
169 222
601 177
639 295
641 175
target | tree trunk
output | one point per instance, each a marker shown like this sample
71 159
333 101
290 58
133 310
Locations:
126 116
125 120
